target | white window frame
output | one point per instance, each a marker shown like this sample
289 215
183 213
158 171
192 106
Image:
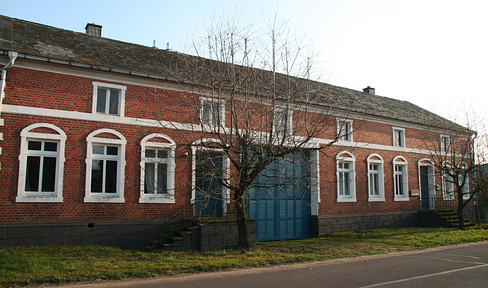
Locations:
395 139
121 143
170 147
60 138
447 182
381 177
346 157
443 139
213 101
400 161
278 121
346 135
466 185
108 86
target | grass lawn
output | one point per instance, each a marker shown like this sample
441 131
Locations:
63 264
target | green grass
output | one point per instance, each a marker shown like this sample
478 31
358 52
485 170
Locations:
38 265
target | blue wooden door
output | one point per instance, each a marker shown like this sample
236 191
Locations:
424 187
208 185
280 200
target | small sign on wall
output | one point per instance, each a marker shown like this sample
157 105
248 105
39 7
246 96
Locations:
414 192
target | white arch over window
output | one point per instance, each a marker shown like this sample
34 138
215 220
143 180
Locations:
157 169
41 164
105 167
376 178
400 178
346 177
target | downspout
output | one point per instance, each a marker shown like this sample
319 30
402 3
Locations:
13 56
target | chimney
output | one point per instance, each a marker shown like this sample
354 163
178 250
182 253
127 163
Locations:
93 29
369 90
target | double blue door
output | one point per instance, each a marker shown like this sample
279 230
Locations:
280 199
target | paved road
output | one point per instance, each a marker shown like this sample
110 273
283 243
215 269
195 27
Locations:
455 266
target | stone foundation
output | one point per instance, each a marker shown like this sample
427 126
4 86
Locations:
325 224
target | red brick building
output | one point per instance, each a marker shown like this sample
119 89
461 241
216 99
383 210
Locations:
81 126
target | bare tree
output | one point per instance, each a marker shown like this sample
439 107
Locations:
255 104
454 156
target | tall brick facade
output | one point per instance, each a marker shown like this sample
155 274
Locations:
61 93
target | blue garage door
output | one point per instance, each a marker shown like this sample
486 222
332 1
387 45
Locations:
280 199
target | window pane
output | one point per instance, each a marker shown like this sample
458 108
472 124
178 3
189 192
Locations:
162 178
32 173
112 150
111 177
48 174
34 145
101 98
114 102
162 154
149 178
206 114
347 191
97 172
150 153
97 149
50 146
376 190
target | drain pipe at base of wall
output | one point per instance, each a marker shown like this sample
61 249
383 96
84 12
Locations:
13 56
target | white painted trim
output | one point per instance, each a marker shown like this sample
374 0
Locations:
121 107
425 162
118 197
195 147
315 181
60 137
221 104
400 160
74 115
381 177
351 159
394 129
171 146
442 148
338 129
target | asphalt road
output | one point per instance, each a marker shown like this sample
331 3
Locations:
455 266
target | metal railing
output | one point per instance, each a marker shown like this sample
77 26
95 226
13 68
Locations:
438 203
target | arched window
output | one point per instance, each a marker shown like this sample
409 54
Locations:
376 178
105 166
41 164
346 177
400 178
157 169
447 181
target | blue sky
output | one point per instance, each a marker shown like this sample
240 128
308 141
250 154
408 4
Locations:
432 53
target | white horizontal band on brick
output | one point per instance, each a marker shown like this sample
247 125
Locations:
81 116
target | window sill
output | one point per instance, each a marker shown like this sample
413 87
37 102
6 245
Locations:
39 198
346 200
400 199
376 200
104 199
164 199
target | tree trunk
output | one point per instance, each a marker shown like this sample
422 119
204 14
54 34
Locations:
241 220
460 211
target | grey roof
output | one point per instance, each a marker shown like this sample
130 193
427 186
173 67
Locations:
56 45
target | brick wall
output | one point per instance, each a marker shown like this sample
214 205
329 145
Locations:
42 89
